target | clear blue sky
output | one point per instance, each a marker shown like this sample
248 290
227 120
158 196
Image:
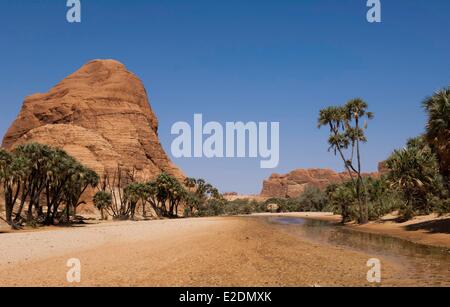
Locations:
242 60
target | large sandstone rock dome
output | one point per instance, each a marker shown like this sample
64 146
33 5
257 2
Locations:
100 115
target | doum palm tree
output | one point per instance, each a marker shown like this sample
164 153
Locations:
414 172
102 200
438 129
347 125
13 170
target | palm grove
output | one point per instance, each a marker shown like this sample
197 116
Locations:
417 176
44 185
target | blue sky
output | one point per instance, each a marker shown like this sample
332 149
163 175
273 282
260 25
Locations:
242 60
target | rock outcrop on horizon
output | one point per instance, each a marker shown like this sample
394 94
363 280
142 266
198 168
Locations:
100 115
294 184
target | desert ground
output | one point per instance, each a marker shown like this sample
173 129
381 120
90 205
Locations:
222 251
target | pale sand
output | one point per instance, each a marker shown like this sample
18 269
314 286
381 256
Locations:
235 251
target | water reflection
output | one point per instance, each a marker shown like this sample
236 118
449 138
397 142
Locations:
430 265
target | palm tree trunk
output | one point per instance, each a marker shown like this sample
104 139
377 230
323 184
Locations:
8 205
23 198
144 213
30 211
133 210
68 213
364 212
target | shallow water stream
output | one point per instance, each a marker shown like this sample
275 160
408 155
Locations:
426 265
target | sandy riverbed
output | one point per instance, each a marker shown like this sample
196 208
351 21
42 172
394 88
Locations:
235 251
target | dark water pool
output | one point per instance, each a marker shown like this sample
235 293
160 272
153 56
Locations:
426 264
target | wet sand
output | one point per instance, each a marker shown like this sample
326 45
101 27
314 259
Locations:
229 251
431 230
428 230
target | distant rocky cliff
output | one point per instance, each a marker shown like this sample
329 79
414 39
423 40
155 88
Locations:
294 184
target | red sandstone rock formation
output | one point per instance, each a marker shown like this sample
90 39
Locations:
294 184
100 115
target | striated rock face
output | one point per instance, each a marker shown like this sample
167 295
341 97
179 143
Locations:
294 184
101 115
